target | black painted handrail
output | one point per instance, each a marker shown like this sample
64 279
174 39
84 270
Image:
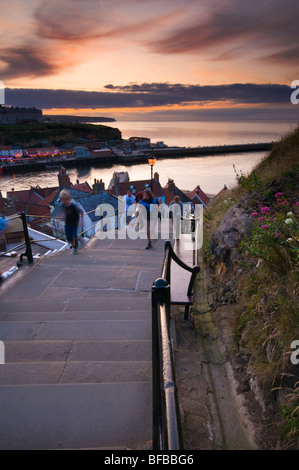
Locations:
166 419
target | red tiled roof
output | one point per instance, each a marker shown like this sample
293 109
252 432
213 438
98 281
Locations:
111 191
27 196
171 190
38 210
139 186
221 192
198 196
82 187
44 192
47 201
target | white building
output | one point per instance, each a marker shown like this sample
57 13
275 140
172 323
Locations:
88 203
16 115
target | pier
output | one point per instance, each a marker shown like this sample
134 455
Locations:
25 165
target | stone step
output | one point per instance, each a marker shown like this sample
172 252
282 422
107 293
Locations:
101 258
114 294
75 416
78 316
74 372
36 281
94 305
88 351
75 305
107 330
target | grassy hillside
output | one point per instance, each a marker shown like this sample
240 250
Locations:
262 279
31 135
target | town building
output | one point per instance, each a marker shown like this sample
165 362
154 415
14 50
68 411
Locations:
198 196
171 190
140 143
17 115
222 191
120 188
89 203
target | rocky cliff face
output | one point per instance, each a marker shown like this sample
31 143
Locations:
235 224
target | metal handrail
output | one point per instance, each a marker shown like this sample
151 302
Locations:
166 418
27 241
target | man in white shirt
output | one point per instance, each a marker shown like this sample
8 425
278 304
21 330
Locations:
128 203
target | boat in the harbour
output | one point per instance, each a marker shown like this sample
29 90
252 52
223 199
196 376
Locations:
53 166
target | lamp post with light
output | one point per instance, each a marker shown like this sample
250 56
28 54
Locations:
152 162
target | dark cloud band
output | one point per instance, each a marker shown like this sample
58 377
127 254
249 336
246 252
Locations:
149 95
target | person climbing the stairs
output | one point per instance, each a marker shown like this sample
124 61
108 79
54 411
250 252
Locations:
72 214
148 201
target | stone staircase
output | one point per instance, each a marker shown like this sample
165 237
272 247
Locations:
77 335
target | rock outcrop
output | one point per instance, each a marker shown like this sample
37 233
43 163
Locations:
235 224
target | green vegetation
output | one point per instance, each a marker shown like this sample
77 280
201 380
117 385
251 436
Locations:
32 135
266 314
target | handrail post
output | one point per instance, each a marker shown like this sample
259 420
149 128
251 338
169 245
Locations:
160 294
195 271
28 252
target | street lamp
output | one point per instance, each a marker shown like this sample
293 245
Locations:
152 162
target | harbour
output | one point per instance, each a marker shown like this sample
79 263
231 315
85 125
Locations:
36 165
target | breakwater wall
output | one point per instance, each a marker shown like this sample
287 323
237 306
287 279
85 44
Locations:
23 166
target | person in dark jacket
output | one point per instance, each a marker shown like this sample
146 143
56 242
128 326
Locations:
72 216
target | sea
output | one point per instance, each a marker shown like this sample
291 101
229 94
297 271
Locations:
211 172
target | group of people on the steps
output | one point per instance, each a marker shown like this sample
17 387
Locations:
73 215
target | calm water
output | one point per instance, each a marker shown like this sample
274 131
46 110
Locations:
211 173
193 134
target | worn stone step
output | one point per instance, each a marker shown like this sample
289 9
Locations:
79 316
75 416
13 306
79 305
100 258
113 294
127 245
67 293
75 330
40 373
75 305
61 351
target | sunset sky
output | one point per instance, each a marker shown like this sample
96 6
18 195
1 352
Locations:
163 58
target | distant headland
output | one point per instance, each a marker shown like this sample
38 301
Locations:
75 119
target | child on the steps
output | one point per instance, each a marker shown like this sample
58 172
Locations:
72 215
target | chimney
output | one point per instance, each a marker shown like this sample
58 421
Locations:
116 184
156 177
171 185
98 186
63 178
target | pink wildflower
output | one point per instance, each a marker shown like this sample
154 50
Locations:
297 203
264 227
277 235
278 194
261 219
264 210
286 203
254 214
